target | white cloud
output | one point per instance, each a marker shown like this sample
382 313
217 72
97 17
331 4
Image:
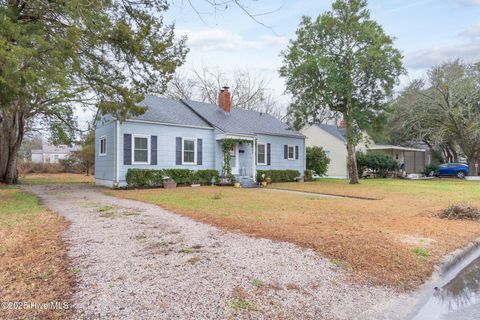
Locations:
468 2
467 48
472 31
218 39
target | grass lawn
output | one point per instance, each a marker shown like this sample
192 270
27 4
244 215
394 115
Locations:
33 261
394 241
57 178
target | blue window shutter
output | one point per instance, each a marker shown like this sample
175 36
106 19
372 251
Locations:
153 150
199 151
296 152
285 152
178 151
268 154
127 149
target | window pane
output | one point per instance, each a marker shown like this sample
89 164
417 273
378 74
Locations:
141 143
189 156
291 152
261 153
261 158
188 145
141 156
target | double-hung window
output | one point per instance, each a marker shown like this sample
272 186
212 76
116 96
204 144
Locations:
261 154
291 152
188 151
141 150
103 146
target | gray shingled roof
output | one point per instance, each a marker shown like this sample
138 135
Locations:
339 133
169 111
241 121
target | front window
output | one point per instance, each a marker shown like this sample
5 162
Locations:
103 146
261 154
189 151
291 152
140 149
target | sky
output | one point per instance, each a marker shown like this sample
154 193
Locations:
427 32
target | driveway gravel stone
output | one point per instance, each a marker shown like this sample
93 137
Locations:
138 261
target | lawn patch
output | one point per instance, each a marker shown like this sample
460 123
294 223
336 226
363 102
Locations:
33 259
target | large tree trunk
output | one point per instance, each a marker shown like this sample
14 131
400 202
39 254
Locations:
351 158
472 167
11 136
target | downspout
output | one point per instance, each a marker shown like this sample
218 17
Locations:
117 154
253 159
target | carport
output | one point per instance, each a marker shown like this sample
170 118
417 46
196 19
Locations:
414 160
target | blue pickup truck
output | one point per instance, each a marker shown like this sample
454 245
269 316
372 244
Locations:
460 170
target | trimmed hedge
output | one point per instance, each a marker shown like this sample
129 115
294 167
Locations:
278 175
154 178
205 176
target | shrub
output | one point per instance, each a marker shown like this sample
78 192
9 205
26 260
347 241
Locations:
308 175
144 178
380 163
432 168
154 178
317 160
204 177
278 175
180 176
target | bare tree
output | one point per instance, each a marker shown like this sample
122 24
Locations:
249 91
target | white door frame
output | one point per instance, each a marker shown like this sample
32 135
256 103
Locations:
236 169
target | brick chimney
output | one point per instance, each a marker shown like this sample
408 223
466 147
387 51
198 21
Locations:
341 124
224 99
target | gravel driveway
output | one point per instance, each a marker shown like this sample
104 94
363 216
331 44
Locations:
138 261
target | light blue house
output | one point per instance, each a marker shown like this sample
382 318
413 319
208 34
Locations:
188 134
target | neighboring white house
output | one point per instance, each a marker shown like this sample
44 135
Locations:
332 139
52 154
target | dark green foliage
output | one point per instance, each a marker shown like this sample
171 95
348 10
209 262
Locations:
204 177
380 163
341 62
308 175
432 168
99 55
154 178
317 160
180 176
278 175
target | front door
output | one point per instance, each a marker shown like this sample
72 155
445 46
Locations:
234 159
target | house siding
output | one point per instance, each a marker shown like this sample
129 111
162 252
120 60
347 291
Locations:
105 165
278 162
335 148
166 144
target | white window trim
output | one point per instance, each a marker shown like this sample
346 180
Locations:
265 152
288 152
148 148
100 146
194 151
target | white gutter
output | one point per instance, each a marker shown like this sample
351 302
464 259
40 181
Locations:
254 144
117 154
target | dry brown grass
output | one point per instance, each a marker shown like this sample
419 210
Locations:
33 260
374 238
57 178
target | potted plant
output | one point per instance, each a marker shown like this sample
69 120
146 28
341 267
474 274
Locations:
264 181
169 183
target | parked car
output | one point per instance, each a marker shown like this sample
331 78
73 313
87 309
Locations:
460 170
